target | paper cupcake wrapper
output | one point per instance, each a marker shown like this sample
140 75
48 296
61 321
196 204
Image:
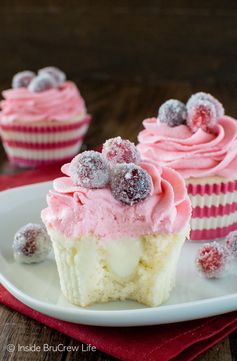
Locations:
214 213
36 145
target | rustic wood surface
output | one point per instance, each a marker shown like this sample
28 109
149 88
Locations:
118 108
169 39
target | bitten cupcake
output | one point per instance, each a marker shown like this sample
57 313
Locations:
117 226
43 118
199 142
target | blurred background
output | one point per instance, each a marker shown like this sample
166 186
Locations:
127 57
153 40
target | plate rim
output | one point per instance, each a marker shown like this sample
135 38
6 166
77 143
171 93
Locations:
103 317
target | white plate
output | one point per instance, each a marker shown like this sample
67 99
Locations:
38 285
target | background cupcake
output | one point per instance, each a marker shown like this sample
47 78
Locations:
200 142
43 118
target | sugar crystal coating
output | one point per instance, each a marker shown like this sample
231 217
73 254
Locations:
231 243
206 96
31 244
22 79
213 260
173 113
41 83
130 183
58 75
202 114
118 150
90 170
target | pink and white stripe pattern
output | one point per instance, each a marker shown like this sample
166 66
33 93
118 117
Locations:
214 205
31 145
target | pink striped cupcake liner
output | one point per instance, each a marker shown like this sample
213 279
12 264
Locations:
39 144
214 204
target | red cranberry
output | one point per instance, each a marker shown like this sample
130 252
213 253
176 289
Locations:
41 83
90 170
202 114
173 113
31 244
212 260
58 75
231 243
130 183
206 96
22 79
118 150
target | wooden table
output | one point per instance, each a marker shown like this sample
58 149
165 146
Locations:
117 109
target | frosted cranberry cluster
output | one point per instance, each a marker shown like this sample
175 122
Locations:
213 259
116 167
201 111
47 78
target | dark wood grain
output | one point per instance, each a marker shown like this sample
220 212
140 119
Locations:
220 352
118 108
155 40
20 331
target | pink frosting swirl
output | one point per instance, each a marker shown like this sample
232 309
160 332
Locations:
197 154
76 211
58 104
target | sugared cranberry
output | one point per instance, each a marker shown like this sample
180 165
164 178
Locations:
90 170
202 114
212 260
31 244
231 243
173 113
130 183
58 75
206 96
41 83
22 79
118 150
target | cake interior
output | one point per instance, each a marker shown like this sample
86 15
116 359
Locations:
95 271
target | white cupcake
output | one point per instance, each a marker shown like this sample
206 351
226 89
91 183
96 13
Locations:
122 239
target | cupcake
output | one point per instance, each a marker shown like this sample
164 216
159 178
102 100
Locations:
43 118
199 142
117 227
